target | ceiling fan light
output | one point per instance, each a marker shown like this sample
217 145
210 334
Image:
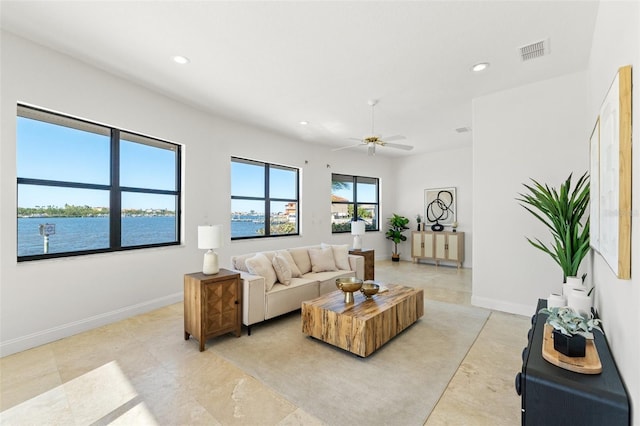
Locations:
371 149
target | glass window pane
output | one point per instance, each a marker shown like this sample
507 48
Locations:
341 215
247 218
148 219
54 152
283 183
80 218
369 213
147 166
342 188
247 179
367 190
284 218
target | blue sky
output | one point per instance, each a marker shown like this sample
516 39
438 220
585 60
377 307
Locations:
48 151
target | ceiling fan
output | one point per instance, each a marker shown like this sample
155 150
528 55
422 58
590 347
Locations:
371 141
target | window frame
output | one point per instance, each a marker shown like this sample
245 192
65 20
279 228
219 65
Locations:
267 199
114 188
355 180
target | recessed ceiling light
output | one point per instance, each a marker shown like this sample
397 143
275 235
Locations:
304 123
181 59
480 67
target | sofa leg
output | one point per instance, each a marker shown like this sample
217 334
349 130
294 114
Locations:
248 330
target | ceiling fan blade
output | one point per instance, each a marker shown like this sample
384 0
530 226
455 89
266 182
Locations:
399 146
393 138
347 147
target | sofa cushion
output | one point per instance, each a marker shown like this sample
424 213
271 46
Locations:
260 265
340 255
239 262
301 257
322 259
295 271
282 268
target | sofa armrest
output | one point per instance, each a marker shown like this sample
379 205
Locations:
357 264
253 298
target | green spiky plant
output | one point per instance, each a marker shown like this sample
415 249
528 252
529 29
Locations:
562 212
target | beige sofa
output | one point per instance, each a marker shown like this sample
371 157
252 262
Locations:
277 282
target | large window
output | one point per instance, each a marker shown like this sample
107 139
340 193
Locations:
88 188
264 199
353 197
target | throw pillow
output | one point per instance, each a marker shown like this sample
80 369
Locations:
295 271
260 265
301 257
340 255
322 259
283 271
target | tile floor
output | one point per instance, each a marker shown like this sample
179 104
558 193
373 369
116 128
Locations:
140 371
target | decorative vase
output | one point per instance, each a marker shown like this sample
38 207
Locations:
570 285
574 281
580 301
573 346
556 301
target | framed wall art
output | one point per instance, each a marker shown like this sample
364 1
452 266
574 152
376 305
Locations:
440 208
594 188
614 190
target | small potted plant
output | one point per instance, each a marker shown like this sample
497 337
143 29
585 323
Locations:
569 330
397 225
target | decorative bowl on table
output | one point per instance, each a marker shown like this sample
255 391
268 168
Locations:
369 289
348 286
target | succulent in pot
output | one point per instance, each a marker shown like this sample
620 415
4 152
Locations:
570 330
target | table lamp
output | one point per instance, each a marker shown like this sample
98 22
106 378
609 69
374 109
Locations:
357 229
209 238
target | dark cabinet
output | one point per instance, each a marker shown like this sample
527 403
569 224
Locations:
554 396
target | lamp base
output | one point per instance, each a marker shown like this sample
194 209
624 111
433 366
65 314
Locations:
210 264
357 242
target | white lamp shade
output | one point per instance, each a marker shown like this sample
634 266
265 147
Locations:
209 236
357 228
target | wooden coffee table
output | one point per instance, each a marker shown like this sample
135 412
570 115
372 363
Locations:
365 325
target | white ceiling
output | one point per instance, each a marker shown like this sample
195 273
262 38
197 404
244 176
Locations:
274 64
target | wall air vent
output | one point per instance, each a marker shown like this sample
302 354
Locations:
463 129
534 50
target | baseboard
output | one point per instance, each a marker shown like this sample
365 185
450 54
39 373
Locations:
65 330
500 305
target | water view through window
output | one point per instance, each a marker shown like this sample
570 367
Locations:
264 199
70 202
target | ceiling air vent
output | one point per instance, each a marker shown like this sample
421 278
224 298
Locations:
534 50
463 129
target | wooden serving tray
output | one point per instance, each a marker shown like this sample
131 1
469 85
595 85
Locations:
588 364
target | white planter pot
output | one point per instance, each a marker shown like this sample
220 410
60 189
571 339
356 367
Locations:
574 281
556 301
580 301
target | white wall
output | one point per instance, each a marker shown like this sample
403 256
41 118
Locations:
436 170
42 301
616 42
535 131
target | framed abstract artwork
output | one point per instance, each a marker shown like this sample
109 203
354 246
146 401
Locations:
594 187
440 208
614 183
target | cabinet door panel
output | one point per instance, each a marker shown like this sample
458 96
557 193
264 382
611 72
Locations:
428 244
416 244
453 247
441 244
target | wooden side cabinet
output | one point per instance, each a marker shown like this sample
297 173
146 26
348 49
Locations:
212 305
438 246
369 262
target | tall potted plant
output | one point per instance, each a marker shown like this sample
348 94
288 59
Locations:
562 212
397 225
